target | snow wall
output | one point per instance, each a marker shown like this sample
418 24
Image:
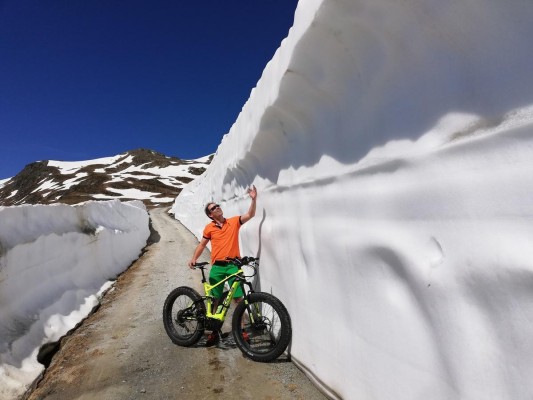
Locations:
53 261
392 147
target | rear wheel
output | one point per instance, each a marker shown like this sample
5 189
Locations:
262 328
184 316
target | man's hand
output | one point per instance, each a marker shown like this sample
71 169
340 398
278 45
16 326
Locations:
252 192
191 263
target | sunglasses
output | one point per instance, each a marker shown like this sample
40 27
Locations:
213 208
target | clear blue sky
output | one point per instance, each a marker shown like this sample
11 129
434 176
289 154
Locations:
83 79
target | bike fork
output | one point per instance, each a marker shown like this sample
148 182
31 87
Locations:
253 312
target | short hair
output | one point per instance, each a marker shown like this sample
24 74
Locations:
206 209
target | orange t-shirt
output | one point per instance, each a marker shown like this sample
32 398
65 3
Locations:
224 240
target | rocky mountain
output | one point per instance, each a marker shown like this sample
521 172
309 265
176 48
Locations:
138 174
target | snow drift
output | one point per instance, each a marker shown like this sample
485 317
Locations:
392 147
53 261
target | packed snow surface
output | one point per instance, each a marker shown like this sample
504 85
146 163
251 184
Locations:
392 147
54 260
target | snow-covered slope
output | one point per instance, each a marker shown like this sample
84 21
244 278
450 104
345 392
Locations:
140 174
54 259
392 147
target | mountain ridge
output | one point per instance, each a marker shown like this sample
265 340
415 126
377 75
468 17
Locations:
140 174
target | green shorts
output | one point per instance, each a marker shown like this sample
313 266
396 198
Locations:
219 272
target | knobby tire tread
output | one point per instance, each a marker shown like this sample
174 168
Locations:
286 328
168 316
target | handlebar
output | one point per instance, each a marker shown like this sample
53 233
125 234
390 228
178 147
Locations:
238 261
252 262
242 260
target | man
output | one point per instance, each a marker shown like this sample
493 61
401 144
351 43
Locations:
224 236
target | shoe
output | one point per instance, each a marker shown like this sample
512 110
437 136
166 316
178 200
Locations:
245 337
212 339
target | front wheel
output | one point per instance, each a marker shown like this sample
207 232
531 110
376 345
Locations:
184 316
262 328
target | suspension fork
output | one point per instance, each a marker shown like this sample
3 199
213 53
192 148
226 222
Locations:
253 309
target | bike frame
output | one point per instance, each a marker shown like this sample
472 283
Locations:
261 325
239 281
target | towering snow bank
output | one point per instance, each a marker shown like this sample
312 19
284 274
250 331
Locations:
53 261
392 146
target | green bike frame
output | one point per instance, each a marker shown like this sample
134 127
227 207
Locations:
221 315
226 302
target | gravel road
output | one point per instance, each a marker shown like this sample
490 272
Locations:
122 352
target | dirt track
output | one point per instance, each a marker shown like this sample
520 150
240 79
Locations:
122 351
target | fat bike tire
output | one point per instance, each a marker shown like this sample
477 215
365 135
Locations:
184 316
262 328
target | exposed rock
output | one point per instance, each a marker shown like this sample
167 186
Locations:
142 174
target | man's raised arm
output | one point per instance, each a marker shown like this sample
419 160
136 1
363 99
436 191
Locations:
251 211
